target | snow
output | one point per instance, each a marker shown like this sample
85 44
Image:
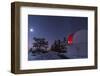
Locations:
43 56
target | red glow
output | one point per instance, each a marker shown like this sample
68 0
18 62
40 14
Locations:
70 39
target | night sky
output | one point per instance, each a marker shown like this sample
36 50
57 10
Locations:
53 27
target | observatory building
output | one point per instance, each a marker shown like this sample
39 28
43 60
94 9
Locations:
78 45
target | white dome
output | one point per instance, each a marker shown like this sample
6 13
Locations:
80 37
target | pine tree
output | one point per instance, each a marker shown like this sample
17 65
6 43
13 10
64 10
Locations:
59 46
40 44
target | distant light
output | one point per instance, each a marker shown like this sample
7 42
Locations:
31 30
70 39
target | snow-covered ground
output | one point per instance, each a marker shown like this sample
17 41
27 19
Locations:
43 56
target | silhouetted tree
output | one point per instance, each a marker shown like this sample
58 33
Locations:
40 44
59 46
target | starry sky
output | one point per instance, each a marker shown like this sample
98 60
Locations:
53 27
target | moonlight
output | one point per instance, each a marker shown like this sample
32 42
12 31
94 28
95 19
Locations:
31 30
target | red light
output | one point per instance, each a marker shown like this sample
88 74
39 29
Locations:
70 39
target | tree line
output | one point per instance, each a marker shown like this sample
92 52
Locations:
41 45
